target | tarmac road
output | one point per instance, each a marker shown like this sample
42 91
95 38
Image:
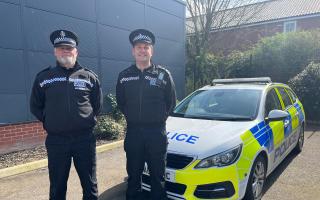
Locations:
298 177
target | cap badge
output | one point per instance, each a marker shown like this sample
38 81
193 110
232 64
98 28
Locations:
62 34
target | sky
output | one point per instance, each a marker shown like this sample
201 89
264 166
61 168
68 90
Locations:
255 1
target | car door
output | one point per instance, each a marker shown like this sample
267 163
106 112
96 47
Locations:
291 124
276 134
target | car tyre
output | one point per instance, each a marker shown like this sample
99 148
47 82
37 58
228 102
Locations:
299 146
256 180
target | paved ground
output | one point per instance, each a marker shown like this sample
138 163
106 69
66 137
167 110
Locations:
298 177
35 185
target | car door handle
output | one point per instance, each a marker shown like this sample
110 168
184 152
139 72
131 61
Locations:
286 123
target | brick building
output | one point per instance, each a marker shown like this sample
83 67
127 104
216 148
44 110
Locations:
272 17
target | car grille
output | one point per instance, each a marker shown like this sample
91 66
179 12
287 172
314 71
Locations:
176 161
176 188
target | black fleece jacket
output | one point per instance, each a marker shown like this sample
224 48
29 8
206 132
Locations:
146 98
67 101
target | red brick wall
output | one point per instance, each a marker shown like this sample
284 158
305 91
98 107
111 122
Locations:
15 137
243 38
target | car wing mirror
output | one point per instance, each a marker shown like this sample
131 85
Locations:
277 115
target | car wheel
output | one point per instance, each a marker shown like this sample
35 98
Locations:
257 179
299 146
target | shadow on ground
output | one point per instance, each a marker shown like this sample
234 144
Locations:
273 177
115 193
118 193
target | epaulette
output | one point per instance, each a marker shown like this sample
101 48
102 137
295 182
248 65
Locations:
46 69
89 70
164 69
129 69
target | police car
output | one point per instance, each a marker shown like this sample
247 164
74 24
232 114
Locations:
226 138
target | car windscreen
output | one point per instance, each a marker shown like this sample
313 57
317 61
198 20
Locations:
220 104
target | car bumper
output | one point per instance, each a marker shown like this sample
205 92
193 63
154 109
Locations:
190 183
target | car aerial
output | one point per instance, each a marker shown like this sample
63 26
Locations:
226 138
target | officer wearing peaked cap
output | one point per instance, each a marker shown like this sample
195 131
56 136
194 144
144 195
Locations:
64 38
146 95
66 99
142 36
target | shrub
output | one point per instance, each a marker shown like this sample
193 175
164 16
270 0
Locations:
282 56
115 113
306 85
109 129
111 126
212 66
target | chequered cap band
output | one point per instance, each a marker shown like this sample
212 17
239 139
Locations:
142 37
65 39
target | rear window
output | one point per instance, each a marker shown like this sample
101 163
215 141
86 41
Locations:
272 102
292 95
285 97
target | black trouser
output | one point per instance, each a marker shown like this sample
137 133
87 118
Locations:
82 149
146 144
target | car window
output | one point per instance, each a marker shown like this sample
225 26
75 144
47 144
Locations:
272 102
285 97
221 104
292 95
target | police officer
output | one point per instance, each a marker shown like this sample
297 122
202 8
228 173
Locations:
146 95
67 98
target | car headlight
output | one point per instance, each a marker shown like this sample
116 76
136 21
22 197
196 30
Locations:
222 159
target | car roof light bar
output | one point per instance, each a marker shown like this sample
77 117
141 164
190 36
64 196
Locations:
242 80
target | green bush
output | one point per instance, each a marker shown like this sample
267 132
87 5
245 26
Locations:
212 66
109 129
306 85
110 100
281 56
111 126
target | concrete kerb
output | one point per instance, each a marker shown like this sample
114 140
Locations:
10 171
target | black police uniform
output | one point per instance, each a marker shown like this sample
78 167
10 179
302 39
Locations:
67 102
146 99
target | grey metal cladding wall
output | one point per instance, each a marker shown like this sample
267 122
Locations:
114 43
110 70
167 51
90 63
11 1
38 61
169 6
165 25
12 83
12 73
41 23
125 14
13 107
10 32
73 8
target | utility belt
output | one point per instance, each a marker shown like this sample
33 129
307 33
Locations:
73 133
131 125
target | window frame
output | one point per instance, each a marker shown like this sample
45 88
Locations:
281 95
275 95
288 23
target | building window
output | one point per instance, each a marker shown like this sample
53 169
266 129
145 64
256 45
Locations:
289 26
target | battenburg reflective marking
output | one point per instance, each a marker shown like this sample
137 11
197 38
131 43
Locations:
288 128
299 110
264 135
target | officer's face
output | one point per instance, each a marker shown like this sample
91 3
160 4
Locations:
142 52
66 55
